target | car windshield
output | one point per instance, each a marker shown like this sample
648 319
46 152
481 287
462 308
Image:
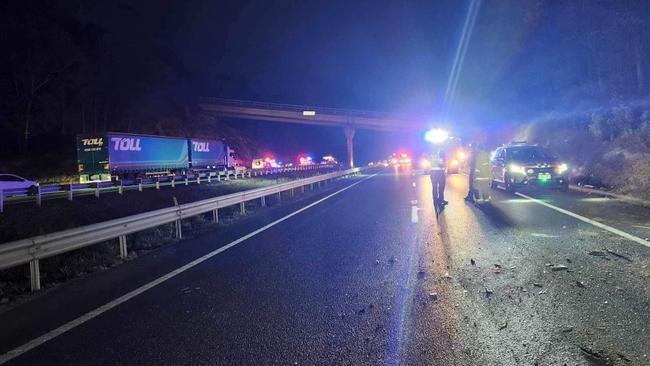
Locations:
528 153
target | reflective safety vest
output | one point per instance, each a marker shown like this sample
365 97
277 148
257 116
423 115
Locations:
438 164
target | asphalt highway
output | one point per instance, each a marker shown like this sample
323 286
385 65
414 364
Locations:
362 273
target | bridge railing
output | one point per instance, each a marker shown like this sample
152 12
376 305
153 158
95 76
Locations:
33 249
292 107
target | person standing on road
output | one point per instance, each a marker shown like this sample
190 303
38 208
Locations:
483 175
439 178
471 166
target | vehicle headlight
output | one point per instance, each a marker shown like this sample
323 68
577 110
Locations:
424 163
453 162
562 168
514 168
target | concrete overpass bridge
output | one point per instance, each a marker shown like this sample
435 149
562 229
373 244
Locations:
349 120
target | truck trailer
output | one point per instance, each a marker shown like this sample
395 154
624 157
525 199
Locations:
117 155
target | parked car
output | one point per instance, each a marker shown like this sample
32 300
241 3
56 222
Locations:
11 182
525 165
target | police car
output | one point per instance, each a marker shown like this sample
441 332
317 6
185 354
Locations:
524 165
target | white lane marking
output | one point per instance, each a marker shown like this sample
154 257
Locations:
641 227
588 220
542 235
106 307
414 214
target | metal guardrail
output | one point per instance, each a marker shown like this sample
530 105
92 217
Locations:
70 190
33 249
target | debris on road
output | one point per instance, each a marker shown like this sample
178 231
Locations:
446 275
580 284
567 330
622 356
496 265
421 274
362 311
537 284
433 296
593 355
504 326
488 292
472 261
598 253
559 267
619 255
392 260
377 262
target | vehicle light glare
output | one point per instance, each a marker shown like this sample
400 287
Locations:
460 155
562 168
436 136
424 163
453 162
514 168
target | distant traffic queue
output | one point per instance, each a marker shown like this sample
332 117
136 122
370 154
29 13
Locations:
117 155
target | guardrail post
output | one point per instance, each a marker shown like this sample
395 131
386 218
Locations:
279 196
263 201
97 190
198 179
242 208
34 275
173 182
38 196
70 189
227 175
249 174
187 180
123 250
215 216
302 188
218 176
209 178
140 184
179 229
291 192
255 173
120 188
2 201
157 183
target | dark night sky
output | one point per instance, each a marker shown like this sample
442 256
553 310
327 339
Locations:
373 55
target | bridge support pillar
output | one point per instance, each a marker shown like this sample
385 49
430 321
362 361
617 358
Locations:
349 137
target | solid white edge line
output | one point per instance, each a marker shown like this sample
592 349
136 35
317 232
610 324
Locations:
588 220
104 308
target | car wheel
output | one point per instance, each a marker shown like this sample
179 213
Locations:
32 190
509 186
564 187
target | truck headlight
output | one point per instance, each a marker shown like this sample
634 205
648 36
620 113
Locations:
562 168
514 168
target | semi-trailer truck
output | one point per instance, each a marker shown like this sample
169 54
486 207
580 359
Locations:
113 155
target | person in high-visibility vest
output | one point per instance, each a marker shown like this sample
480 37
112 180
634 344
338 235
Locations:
471 167
438 175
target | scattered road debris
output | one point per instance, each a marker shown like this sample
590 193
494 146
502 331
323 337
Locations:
559 267
433 296
580 284
619 255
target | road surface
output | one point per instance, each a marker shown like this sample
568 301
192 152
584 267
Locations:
363 274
